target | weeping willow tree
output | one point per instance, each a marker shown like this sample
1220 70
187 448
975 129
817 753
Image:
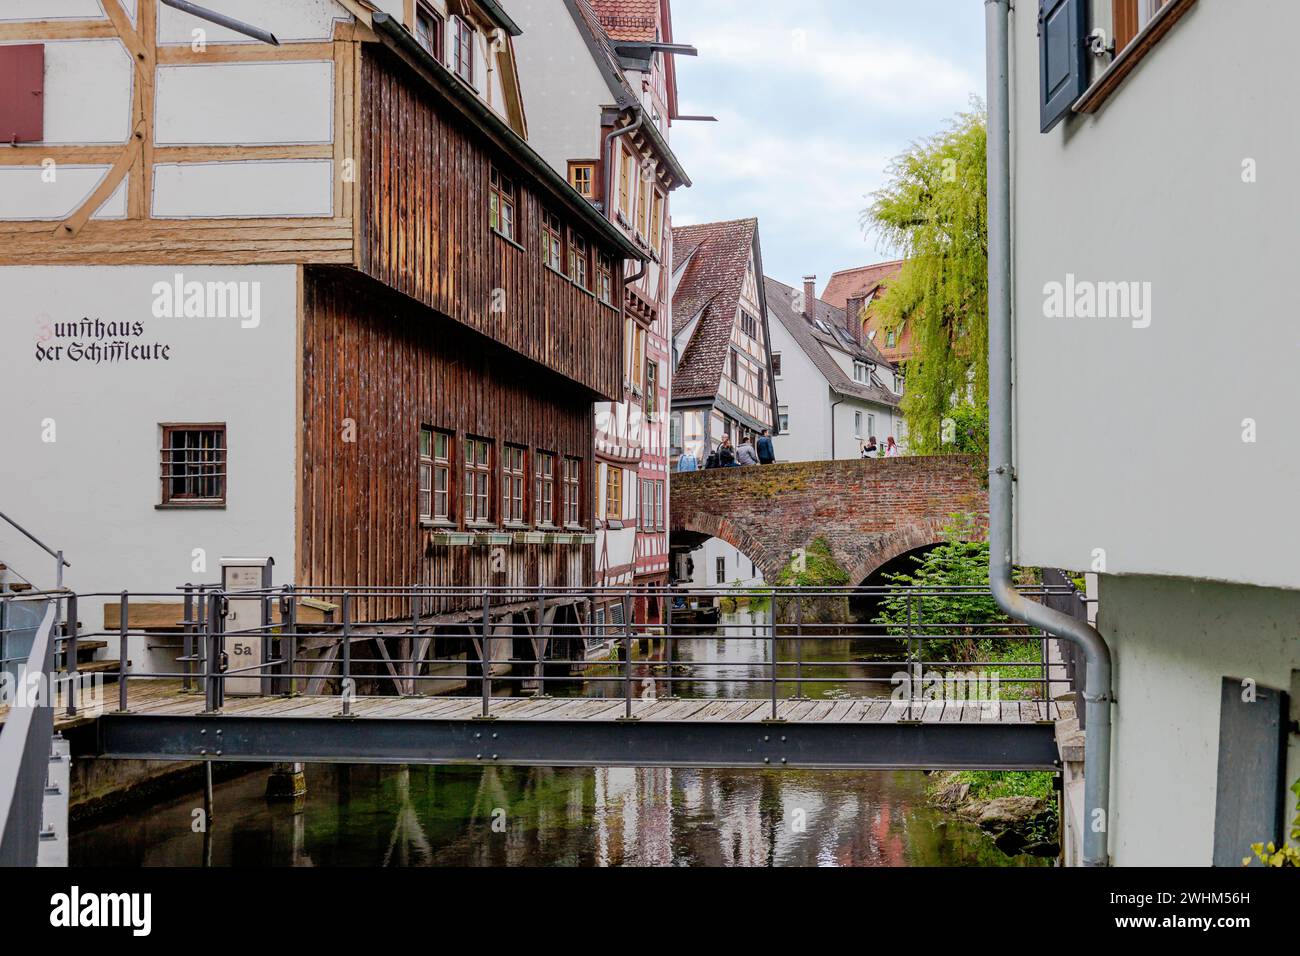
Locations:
935 211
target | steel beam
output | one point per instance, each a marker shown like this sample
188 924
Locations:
576 743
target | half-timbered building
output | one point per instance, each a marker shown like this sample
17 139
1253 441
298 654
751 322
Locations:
314 300
722 348
602 93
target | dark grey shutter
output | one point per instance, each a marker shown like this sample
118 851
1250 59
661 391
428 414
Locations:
1252 767
1062 57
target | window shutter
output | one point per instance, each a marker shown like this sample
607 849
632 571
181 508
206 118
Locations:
22 93
1063 58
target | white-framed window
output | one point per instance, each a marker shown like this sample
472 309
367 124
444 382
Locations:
871 426
783 419
429 30
462 49
721 571
862 373
857 424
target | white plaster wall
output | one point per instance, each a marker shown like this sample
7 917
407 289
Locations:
26 195
56 10
802 389
563 89
89 85
289 20
244 189
1150 465
93 490
738 566
231 104
1174 642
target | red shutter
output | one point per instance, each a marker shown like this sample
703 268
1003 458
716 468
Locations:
22 93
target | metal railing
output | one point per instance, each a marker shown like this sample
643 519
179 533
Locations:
25 750
59 562
505 643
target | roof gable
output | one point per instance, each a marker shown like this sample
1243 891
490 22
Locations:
710 287
814 343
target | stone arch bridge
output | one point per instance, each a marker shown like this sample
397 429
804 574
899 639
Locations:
869 511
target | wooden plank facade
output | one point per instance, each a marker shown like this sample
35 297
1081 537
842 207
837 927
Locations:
389 366
425 232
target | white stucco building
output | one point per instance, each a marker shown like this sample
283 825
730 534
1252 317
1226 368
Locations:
1154 221
835 390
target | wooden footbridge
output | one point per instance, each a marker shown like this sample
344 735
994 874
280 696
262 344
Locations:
505 682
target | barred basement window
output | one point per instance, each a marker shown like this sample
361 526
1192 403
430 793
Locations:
513 481
194 463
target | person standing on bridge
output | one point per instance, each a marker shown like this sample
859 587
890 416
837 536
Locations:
726 454
871 449
745 454
891 448
766 453
688 461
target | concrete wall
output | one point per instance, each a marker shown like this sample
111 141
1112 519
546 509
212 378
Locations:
1174 642
563 89
1152 189
81 439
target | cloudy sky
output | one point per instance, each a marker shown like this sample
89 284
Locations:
813 104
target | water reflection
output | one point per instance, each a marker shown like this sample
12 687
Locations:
533 816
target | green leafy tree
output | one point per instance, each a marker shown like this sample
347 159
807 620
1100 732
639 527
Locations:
956 563
935 210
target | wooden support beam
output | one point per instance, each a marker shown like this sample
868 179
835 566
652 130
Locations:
69 228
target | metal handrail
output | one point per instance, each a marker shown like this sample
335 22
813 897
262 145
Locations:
25 754
60 561
484 615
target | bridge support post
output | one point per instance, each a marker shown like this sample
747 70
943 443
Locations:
287 781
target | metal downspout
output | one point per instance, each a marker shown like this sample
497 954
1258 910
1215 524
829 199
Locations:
1097 696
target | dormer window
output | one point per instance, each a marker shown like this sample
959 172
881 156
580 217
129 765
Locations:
582 177
462 49
862 373
429 30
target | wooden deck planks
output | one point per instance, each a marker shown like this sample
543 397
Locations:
166 698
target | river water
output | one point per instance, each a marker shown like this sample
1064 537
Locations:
367 815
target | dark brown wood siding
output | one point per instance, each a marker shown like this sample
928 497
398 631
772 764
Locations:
425 170
390 366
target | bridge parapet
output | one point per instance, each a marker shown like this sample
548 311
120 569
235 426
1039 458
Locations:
869 511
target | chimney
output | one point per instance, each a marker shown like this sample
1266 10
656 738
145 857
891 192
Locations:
810 298
853 313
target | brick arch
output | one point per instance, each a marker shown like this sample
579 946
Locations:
869 511
887 547
739 537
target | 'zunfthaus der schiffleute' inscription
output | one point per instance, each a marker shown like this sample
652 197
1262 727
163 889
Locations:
97 342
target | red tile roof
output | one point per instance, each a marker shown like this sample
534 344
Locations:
867 281
629 19
710 288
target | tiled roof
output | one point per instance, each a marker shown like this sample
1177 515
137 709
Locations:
860 281
813 341
711 283
629 19
870 281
